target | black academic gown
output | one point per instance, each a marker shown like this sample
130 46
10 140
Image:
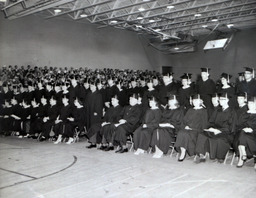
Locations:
164 90
248 87
142 136
132 116
219 144
164 136
197 120
249 139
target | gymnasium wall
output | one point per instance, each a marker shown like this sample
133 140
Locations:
240 52
59 42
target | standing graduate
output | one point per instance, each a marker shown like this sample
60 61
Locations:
94 105
249 84
185 91
169 125
150 92
247 137
128 123
168 87
142 135
194 121
228 88
219 134
206 87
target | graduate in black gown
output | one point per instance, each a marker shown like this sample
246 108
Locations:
15 115
194 121
49 119
249 84
77 119
127 124
241 112
206 87
168 127
35 121
169 86
151 91
6 120
226 87
247 137
94 105
219 134
142 135
185 91
60 123
102 132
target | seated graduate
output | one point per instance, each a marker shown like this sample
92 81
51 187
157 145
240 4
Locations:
215 104
242 117
128 123
15 115
247 137
6 120
60 123
143 134
218 136
77 119
49 119
103 132
25 118
35 120
194 121
169 125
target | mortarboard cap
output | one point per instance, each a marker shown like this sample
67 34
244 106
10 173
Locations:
204 69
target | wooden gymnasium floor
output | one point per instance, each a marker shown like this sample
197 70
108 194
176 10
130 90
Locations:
31 169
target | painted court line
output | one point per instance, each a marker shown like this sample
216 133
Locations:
192 188
159 185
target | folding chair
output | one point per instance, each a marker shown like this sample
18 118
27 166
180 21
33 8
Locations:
229 155
130 141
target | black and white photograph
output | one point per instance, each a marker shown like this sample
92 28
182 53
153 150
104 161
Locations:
127 98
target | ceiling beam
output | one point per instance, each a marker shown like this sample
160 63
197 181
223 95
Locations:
207 11
201 23
39 9
81 8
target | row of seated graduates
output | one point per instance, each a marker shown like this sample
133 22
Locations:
76 84
191 131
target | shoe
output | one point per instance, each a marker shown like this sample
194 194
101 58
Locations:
240 163
139 151
156 156
20 136
181 160
244 157
102 147
124 150
42 139
118 150
70 140
58 140
91 146
109 148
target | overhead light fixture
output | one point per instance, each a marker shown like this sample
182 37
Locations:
113 21
146 0
83 15
158 30
176 48
139 17
151 20
230 25
204 26
214 19
141 9
57 11
198 15
170 6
